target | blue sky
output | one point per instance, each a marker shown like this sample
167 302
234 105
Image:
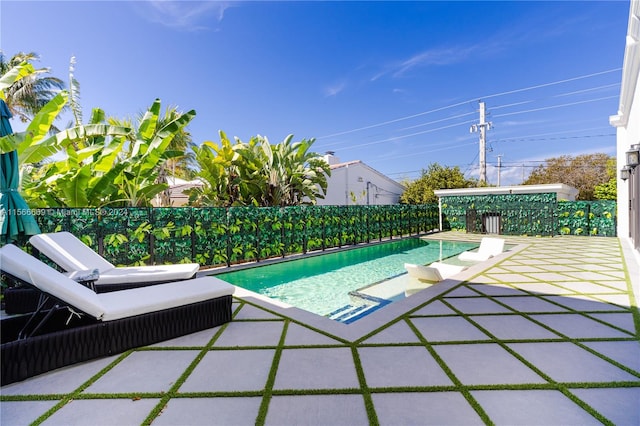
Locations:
394 84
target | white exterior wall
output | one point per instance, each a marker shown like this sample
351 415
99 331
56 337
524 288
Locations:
355 183
626 136
627 120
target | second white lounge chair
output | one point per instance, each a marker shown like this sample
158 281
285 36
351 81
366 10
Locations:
489 247
72 255
435 272
421 277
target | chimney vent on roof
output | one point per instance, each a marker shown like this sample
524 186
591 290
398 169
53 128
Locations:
330 158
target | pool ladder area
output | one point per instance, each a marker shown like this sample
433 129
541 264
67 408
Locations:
363 304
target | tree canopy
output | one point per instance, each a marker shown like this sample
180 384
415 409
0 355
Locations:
609 189
256 173
113 162
435 177
583 172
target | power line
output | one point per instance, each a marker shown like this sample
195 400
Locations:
509 92
551 139
556 106
394 138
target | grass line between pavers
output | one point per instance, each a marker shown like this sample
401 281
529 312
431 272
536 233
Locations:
589 409
459 386
569 311
73 395
564 338
238 308
559 386
271 378
33 397
406 314
217 394
303 392
297 322
182 378
366 394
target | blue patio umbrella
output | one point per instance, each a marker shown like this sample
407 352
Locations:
16 218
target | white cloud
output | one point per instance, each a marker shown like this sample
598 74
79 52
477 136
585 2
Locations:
334 89
184 15
436 56
517 34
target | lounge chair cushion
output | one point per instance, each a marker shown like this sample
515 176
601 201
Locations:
489 247
447 270
421 272
71 254
152 273
141 300
31 270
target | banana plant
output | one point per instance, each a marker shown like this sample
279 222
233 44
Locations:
138 180
219 173
257 173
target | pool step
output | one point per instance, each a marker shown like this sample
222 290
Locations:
350 313
361 305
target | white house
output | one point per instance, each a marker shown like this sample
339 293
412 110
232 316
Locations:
176 187
355 183
627 123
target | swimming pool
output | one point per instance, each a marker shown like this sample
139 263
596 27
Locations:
321 284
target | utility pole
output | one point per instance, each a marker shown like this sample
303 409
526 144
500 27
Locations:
499 167
482 128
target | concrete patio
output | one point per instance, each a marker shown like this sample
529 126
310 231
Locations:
545 334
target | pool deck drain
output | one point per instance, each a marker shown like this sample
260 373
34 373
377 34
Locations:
546 333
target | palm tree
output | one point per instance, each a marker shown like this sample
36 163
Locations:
28 95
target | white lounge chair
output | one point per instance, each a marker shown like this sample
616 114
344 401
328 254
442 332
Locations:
435 272
72 255
489 247
95 325
421 277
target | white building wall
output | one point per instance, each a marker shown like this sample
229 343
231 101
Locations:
355 183
626 136
627 122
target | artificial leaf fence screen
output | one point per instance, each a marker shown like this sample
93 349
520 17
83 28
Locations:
528 214
225 236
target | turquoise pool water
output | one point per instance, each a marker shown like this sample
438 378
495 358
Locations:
321 284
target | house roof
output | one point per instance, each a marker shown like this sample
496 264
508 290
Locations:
563 191
361 164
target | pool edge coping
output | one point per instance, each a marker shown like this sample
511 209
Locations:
378 318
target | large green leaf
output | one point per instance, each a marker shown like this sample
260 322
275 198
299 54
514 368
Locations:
41 123
101 187
75 190
148 124
108 156
10 142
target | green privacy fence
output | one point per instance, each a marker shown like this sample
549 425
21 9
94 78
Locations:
528 214
587 218
225 236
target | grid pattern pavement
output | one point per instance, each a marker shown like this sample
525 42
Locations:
548 335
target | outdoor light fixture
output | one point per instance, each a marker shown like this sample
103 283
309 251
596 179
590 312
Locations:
633 156
625 173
